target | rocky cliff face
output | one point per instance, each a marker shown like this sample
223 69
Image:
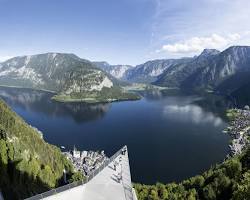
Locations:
143 73
118 71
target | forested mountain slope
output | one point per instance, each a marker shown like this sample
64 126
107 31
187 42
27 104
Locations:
28 165
229 180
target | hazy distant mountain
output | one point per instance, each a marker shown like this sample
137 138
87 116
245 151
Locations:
225 71
71 77
118 71
149 71
143 73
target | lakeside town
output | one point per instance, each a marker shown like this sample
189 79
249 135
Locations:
86 161
238 129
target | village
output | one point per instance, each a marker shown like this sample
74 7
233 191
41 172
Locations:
86 161
239 130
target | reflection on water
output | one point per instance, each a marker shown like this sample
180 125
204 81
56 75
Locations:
193 113
39 101
170 135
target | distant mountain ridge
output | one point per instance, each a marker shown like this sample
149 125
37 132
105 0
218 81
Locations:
225 71
143 73
118 71
75 78
72 78
149 71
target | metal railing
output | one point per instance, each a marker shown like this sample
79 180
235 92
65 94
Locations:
77 183
126 181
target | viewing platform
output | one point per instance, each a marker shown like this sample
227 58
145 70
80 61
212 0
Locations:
111 181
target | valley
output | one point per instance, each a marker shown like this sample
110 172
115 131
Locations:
125 100
180 107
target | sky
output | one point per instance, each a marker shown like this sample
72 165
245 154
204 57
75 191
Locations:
122 31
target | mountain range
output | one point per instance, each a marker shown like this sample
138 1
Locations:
143 73
76 79
223 72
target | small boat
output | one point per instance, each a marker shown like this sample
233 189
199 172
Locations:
62 147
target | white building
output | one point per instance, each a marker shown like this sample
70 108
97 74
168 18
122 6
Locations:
76 154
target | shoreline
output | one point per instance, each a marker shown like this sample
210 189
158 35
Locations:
56 97
67 99
144 87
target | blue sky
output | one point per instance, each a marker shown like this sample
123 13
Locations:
122 31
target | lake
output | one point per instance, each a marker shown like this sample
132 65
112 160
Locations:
170 136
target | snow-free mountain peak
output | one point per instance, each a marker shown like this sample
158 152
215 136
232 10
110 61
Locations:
209 52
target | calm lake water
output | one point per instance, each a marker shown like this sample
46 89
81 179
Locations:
169 136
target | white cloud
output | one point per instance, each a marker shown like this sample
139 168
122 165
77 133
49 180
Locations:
185 28
4 58
193 113
198 44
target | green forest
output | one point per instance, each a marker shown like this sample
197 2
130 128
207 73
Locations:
28 165
229 180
